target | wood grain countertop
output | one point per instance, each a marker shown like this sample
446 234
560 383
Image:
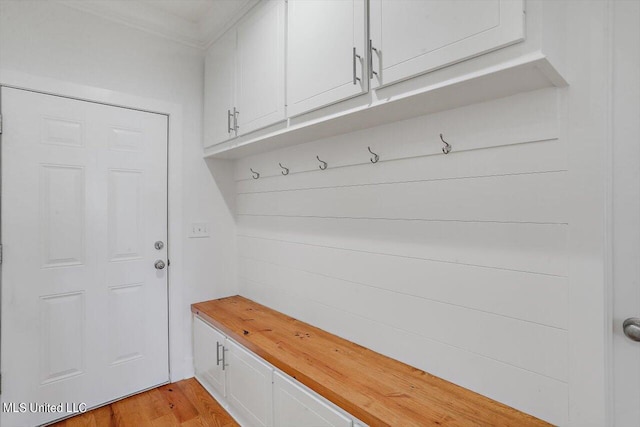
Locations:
376 389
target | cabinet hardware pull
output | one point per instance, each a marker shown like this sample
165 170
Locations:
371 50
224 364
218 345
229 129
235 120
356 79
256 175
285 170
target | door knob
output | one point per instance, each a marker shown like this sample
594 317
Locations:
631 328
159 265
158 245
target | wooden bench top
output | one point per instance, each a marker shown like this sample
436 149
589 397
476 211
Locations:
376 389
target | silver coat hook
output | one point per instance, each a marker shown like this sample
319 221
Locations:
375 157
256 175
285 171
447 147
323 166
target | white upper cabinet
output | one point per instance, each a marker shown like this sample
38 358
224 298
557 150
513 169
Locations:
326 53
411 37
260 65
219 94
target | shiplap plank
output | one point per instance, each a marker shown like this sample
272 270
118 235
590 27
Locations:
505 339
517 119
538 248
541 156
513 386
536 298
538 198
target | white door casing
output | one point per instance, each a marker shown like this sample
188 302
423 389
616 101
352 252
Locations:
84 311
626 208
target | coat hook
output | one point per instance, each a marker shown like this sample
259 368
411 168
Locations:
323 166
447 147
285 171
375 157
256 175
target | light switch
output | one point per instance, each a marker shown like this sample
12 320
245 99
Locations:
198 229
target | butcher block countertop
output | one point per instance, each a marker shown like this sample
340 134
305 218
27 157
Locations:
376 389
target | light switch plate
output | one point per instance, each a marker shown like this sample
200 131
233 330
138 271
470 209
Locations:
198 229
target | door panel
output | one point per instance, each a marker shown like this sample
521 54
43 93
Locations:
626 209
260 65
84 311
219 96
249 386
414 37
320 41
293 406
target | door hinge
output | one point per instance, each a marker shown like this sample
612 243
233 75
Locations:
0 123
0 253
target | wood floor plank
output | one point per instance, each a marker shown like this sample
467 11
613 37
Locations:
179 404
184 403
210 410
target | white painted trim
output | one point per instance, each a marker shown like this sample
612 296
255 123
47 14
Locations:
178 362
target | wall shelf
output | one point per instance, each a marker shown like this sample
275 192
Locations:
524 74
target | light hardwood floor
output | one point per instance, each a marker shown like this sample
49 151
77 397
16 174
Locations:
183 404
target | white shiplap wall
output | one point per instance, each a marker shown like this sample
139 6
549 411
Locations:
454 264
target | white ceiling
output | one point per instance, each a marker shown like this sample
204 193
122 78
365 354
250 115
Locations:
192 22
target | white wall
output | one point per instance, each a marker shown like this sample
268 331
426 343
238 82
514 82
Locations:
80 48
485 267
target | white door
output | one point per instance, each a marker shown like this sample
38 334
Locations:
249 386
413 37
260 67
626 213
219 96
322 66
293 406
208 361
84 198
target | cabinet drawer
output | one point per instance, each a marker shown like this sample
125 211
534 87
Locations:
294 406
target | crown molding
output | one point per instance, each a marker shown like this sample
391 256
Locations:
214 24
143 17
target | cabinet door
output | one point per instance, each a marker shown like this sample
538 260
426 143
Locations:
207 344
219 90
249 386
293 406
413 37
320 58
260 67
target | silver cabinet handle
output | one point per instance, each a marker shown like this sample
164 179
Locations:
224 363
356 79
159 264
218 345
229 129
235 120
631 328
371 50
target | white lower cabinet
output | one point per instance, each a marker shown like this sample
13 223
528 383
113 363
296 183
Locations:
208 346
249 386
293 406
253 391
